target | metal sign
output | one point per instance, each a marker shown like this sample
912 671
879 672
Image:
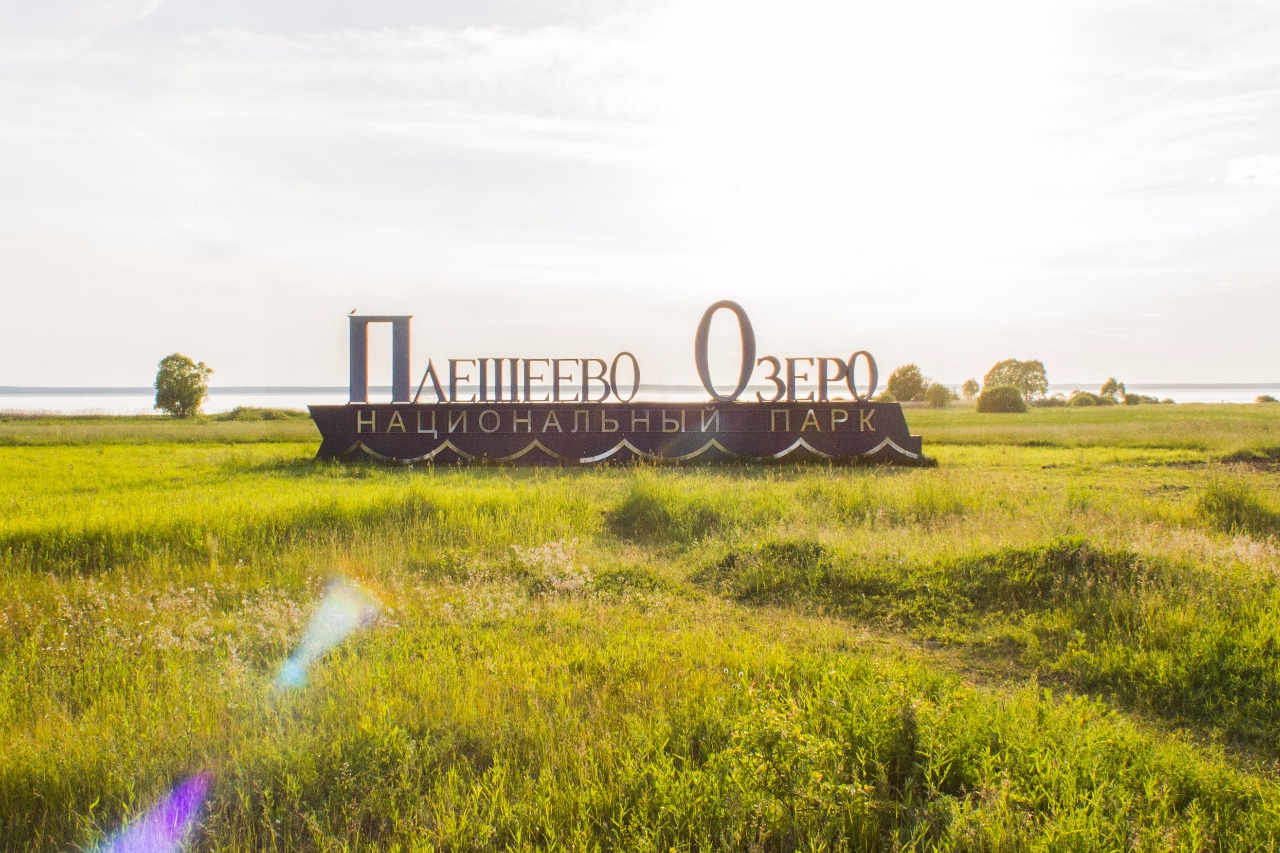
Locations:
582 411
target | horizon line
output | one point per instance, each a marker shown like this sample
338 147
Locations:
131 390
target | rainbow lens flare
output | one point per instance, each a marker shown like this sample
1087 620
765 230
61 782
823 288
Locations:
344 608
167 826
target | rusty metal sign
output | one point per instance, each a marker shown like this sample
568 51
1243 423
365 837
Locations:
582 411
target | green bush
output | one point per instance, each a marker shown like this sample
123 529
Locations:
938 395
1057 401
1084 398
1266 398
1001 398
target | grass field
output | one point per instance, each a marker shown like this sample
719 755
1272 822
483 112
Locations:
1066 636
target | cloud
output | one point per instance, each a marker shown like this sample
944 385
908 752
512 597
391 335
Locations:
104 15
290 16
405 162
983 163
50 28
1262 170
597 72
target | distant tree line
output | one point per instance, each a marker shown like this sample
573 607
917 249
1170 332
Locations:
1011 385
908 384
1112 393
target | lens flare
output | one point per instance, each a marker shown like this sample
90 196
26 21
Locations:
345 608
167 826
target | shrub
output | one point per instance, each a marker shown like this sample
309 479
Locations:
970 389
1266 398
1083 398
1133 399
886 397
1057 401
938 395
259 413
1001 398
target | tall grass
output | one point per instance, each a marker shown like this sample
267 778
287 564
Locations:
644 659
63 430
1108 620
1234 505
581 724
1220 429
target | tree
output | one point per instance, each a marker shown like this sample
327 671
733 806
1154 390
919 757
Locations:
906 383
1027 376
1113 389
970 389
938 395
181 385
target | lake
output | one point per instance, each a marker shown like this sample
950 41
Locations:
135 401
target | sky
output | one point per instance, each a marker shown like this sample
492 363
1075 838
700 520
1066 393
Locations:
1092 184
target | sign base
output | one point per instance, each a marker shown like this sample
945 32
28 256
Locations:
599 433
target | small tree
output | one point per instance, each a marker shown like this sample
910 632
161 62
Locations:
907 383
1027 376
181 385
970 389
938 395
1112 388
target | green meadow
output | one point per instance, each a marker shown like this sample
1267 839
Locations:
1065 636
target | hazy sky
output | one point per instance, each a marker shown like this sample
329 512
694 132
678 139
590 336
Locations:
1094 184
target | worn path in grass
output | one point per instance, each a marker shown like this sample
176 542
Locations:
741 658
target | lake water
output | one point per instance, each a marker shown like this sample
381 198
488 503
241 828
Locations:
137 401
